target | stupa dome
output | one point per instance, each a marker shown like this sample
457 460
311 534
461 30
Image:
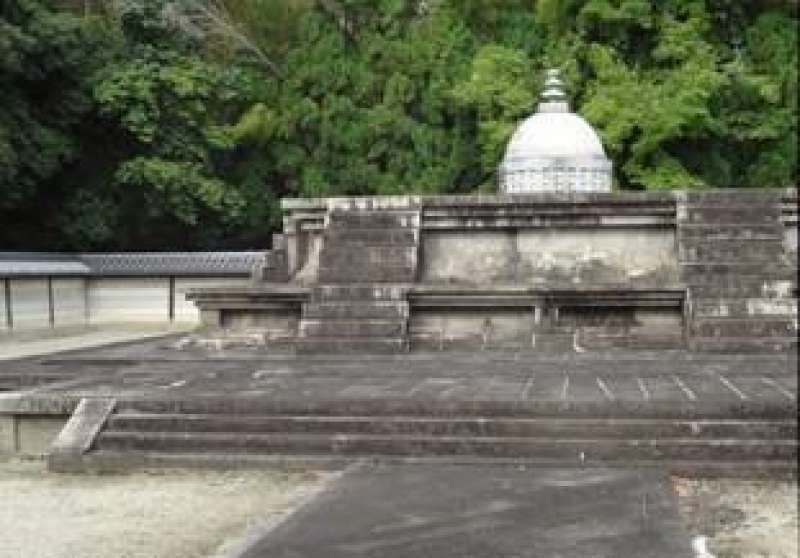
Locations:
554 150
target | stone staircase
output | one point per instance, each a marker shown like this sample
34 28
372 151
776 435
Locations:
248 431
360 302
741 290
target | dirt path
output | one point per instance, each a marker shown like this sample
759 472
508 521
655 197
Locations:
142 515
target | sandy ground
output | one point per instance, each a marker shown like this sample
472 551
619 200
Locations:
742 519
179 514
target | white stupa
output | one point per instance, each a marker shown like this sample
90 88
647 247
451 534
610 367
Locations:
554 150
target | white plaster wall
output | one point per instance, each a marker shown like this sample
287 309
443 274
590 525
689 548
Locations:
69 301
29 303
185 310
790 242
557 257
140 299
3 325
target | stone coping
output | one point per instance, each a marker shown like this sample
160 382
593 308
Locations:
459 295
388 202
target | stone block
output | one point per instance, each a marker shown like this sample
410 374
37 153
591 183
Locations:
324 293
373 237
211 317
374 219
353 274
758 214
766 252
8 434
744 307
378 345
345 310
731 232
353 328
80 431
732 327
36 434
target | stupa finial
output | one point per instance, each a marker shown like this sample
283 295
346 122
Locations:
554 96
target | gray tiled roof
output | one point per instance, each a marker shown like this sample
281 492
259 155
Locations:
41 263
172 263
127 264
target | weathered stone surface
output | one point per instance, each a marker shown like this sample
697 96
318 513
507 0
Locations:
481 512
355 307
724 252
83 426
671 408
739 281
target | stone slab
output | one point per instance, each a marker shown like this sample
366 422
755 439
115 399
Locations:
82 428
481 512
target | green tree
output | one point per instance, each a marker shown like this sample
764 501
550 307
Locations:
45 60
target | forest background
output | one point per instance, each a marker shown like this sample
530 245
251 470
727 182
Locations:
179 124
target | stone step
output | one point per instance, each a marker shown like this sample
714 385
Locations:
356 262
553 342
358 292
743 327
353 328
750 215
116 462
377 254
723 449
737 268
344 344
455 426
735 345
743 307
346 309
598 340
361 219
762 252
732 232
373 236
478 408
723 244
725 198
743 287
378 274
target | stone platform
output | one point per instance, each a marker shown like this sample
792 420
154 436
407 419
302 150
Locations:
701 270
149 403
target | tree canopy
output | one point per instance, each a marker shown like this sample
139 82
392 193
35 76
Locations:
166 124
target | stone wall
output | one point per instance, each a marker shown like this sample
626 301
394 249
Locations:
595 269
554 256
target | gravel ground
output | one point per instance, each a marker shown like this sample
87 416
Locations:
742 519
178 514
23 344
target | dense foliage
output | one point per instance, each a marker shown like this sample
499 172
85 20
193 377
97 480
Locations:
158 124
